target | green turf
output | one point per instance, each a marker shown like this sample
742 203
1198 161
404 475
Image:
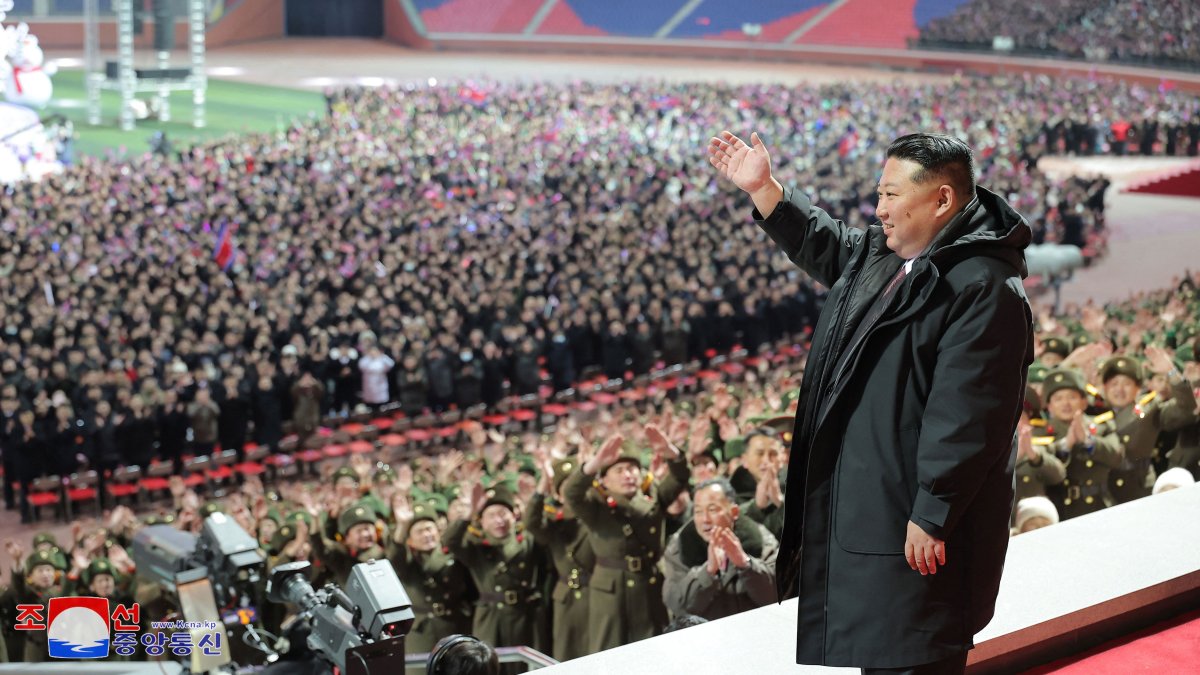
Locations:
232 108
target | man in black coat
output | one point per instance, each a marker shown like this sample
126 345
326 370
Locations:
902 460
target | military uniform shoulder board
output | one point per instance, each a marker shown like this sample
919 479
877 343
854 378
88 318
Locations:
1147 398
1102 417
1043 440
1038 422
1091 389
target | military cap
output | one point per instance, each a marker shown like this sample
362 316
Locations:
344 472
52 557
283 536
96 568
788 397
1080 339
562 469
1037 372
385 473
783 425
1121 365
298 515
627 455
1033 402
1063 378
734 447
1057 345
438 502
159 519
353 515
44 538
273 514
499 494
423 512
210 508
1187 332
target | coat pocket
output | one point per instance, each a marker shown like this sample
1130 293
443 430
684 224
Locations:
873 494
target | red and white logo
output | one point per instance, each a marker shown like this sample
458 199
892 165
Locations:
77 628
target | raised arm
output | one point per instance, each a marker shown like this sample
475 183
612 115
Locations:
815 242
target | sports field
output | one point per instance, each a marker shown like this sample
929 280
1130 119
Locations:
232 108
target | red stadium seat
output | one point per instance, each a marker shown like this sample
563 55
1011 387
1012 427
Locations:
82 489
155 478
46 491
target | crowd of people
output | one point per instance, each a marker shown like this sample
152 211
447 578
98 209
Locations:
1138 31
608 529
442 247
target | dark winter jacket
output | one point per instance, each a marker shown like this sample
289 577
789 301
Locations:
917 423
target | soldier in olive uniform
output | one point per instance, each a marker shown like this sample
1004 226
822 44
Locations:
507 568
1186 451
625 515
555 527
1037 466
358 541
39 580
439 587
1137 421
1082 443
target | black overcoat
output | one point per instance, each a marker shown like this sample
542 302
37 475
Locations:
913 420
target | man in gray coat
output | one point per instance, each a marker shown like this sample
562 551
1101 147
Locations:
901 472
719 564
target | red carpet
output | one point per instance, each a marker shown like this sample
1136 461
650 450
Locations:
1168 648
1184 183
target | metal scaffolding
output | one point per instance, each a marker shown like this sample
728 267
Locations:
125 80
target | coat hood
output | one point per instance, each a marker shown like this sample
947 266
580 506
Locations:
987 226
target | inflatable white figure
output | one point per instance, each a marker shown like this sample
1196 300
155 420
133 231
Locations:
27 80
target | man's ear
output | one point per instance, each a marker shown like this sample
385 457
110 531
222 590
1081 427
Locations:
735 511
947 201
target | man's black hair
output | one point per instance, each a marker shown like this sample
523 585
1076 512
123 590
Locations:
941 157
464 656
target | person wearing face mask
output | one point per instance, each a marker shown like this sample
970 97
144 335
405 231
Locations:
719 564
626 516
440 589
506 566
1138 418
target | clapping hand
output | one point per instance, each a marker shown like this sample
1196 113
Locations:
1025 442
729 544
717 558
1076 434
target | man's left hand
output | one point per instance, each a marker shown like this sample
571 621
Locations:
923 551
